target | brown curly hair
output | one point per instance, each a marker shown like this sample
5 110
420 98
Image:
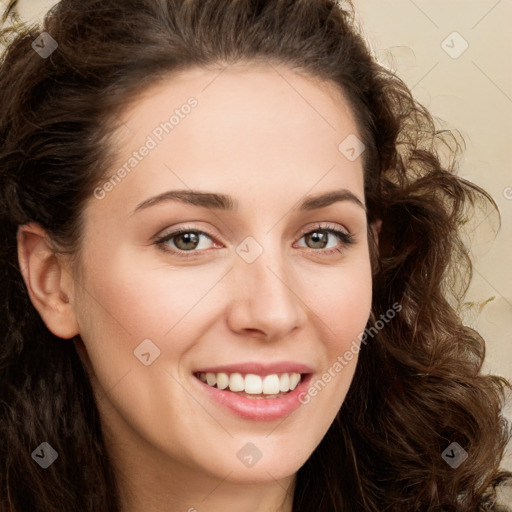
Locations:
418 385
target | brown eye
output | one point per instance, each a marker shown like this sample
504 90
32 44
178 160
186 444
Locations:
185 240
318 239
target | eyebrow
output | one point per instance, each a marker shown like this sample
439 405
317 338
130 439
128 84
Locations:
227 203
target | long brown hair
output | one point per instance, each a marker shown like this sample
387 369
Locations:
418 386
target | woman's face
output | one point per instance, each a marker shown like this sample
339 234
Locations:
254 285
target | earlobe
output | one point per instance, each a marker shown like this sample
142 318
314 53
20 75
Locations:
49 284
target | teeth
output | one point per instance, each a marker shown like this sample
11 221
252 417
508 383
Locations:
222 380
284 382
236 382
294 380
252 384
271 385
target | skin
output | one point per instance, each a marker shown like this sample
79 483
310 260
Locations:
269 138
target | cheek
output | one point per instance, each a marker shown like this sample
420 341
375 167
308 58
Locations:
342 299
141 299
124 302
347 305
340 302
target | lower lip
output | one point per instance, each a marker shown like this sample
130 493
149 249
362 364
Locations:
264 409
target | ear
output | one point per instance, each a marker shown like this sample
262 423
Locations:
376 228
50 285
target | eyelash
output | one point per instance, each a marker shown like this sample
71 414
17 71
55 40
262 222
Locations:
346 238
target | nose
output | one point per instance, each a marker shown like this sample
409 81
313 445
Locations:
265 300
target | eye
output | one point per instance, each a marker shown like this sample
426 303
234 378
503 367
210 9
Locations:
318 238
184 240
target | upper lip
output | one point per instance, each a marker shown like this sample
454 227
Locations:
258 368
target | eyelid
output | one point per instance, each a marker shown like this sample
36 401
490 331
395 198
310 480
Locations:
161 239
324 226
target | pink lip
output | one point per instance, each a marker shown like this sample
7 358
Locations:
261 369
264 409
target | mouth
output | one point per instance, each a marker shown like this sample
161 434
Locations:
252 385
253 392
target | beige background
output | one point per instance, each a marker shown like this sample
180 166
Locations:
472 92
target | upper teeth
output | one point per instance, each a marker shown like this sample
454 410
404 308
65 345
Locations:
251 383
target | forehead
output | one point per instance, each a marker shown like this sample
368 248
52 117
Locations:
236 129
260 98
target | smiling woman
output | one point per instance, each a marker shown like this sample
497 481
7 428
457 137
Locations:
232 268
